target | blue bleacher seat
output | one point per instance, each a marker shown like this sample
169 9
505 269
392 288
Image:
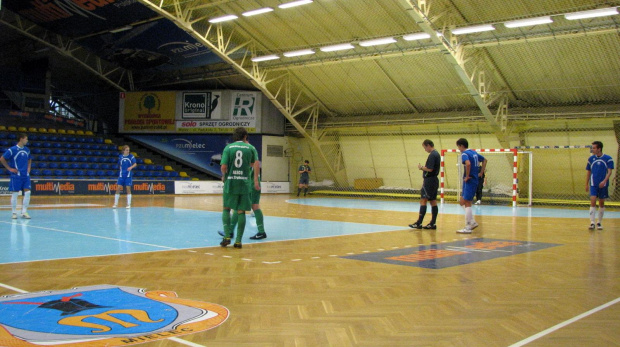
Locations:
46 173
52 138
71 139
69 152
63 158
110 173
58 151
138 173
68 145
53 165
72 158
104 166
30 144
97 153
84 166
52 158
90 140
85 146
87 152
82 159
174 174
101 159
12 136
46 144
80 172
165 173
112 160
91 173
36 151
35 172
159 168
47 151
56 145
139 160
42 165
100 173
74 166
94 166
69 173
77 145
58 172
91 159
63 166
81 140
78 152
99 140
34 163
62 138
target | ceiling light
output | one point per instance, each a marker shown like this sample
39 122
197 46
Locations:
259 11
118 30
298 53
528 22
223 18
340 47
610 11
295 3
472 29
265 58
418 36
376 42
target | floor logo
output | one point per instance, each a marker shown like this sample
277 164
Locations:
102 315
439 256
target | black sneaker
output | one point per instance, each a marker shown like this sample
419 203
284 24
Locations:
222 234
416 225
430 226
225 242
259 236
237 245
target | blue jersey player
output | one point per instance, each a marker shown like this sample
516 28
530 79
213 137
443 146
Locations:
18 161
598 170
126 163
473 163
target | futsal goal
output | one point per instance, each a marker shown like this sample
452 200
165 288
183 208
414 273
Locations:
502 183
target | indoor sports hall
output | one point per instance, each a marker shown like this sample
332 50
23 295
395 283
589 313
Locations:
343 93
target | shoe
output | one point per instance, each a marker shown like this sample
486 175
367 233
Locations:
416 225
430 226
599 226
237 245
465 230
113 206
259 236
225 242
27 216
473 225
221 233
15 217
591 226
477 202
128 207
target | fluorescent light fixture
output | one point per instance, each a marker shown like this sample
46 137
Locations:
259 11
298 53
609 11
223 18
118 30
528 22
340 47
295 3
376 42
472 29
418 36
265 58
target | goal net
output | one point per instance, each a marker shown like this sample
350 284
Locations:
501 184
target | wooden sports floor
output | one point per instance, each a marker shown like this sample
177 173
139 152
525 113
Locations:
337 287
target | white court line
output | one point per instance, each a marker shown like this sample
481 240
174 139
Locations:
95 236
52 205
565 323
175 339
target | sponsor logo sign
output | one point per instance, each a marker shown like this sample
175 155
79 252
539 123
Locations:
196 105
102 315
95 187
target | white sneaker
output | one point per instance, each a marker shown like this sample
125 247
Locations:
25 215
473 225
15 217
465 230
599 226
477 202
113 206
591 226
128 207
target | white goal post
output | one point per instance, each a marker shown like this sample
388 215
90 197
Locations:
512 160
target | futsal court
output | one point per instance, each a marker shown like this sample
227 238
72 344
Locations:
335 271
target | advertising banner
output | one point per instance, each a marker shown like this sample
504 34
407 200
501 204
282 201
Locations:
4 187
148 111
204 151
217 187
97 187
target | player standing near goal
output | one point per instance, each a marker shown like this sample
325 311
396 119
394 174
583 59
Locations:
430 186
471 160
238 159
18 161
304 177
598 170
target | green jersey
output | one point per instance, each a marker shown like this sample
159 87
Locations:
239 156
251 180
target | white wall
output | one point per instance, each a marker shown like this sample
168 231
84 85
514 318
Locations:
274 169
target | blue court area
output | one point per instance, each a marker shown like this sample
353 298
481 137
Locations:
72 233
479 210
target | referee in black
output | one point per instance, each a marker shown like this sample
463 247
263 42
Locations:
429 187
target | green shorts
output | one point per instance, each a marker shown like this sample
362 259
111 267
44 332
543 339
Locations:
255 196
238 202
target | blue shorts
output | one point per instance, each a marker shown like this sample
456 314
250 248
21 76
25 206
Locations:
601 193
124 181
469 189
19 182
